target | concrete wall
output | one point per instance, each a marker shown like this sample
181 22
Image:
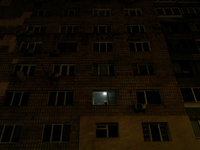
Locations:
131 134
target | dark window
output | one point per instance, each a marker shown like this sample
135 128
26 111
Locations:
64 70
61 98
155 132
67 47
191 94
10 133
102 29
69 29
136 29
139 47
26 69
105 130
104 98
149 97
37 29
104 69
56 133
143 69
196 127
16 98
72 12
103 47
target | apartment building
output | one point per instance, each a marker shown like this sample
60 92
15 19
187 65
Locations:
104 74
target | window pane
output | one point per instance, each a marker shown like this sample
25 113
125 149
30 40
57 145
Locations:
56 133
25 69
176 11
101 29
164 133
132 47
109 47
132 13
32 71
168 12
113 130
75 29
25 98
96 47
71 47
146 47
60 99
99 98
69 29
38 47
7 134
135 29
153 97
95 29
151 70
43 29
57 69
101 133
36 30
69 98
197 94
146 134
141 29
64 70
112 98
95 69
71 70
139 13
160 12
71 13
128 29
23 47
141 98
8 99
52 98
143 70
187 94
16 99
139 47
16 133
66 133
103 70
196 129
63 29
47 133
155 132
108 29
40 13
111 70
101 13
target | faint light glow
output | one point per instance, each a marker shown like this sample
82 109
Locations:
104 93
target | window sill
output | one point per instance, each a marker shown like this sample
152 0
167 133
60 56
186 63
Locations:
170 16
192 104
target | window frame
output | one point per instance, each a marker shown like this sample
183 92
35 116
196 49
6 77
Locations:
68 42
36 26
145 96
106 46
61 134
96 11
193 94
105 26
44 13
198 43
188 11
66 26
13 130
35 43
160 133
139 26
107 99
68 68
74 12
142 46
171 8
107 128
127 11
56 100
147 67
29 68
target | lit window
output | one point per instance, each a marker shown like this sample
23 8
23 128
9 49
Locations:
104 98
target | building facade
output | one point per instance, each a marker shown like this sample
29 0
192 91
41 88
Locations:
105 74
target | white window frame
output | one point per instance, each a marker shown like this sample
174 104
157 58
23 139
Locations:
29 44
74 11
106 127
143 26
107 100
145 96
194 96
171 11
44 13
150 134
142 45
57 96
196 26
198 45
22 94
69 26
108 68
102 26
29 67
128 11
106 45
10 141
61 134
189 10
61 65
147 66
36 26
96 11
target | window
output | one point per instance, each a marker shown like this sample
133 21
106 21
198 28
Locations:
67 46
143 69
198 44
155 132
72 0
149 97
197 26
10 133
103 47
34 47
56 133
102 29
190 10
140 46
71 12
60 98
104 98
65 69
41 13
196 127
36 29
168 11
16 98
69 29
133 12
182 46
136 29
106 130
164 0
186 68
191 94
101 12
176 27
104 69
27 69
